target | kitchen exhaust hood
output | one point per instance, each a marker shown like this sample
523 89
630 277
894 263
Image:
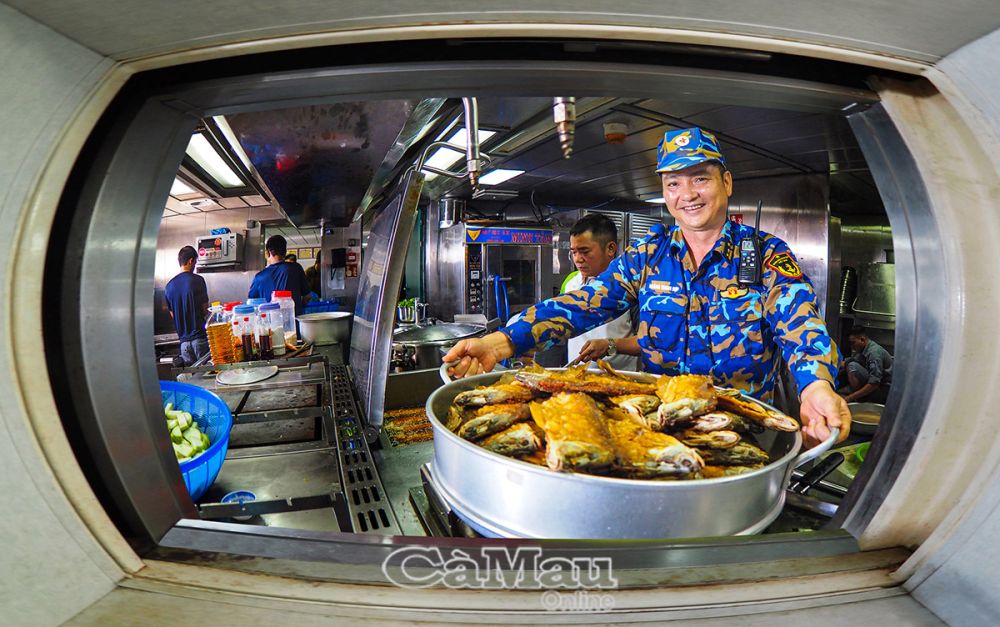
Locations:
319 160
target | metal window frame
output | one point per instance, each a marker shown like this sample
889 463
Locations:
113 254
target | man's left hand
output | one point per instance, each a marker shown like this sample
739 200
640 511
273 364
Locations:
821 410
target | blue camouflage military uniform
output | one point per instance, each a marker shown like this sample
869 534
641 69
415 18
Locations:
699 320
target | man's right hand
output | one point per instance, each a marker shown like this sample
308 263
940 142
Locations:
477 355
592 351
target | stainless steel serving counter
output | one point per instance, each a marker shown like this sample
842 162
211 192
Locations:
299 372
297 444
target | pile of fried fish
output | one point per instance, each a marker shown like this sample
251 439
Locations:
606 423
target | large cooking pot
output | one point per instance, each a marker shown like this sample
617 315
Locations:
327 327
504 497
423 345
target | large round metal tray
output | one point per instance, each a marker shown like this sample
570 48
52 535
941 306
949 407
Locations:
505 497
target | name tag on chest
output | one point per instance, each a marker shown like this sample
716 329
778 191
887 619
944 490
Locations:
664 287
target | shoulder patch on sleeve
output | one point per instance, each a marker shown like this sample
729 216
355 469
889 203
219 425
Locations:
785 265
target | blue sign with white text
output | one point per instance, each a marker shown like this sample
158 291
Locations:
504 235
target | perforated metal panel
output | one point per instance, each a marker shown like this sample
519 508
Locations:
366 497
639 225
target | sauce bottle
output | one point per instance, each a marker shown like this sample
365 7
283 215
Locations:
244 323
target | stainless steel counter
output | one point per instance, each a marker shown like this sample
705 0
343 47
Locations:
400 466
400 470
305 479
292 375
298 444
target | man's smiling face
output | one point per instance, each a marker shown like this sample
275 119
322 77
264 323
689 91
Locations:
698 197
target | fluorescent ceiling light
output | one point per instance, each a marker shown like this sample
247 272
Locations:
212 162
656 201
495 177
180 188
445 158
227 132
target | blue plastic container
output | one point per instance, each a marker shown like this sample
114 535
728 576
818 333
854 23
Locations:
214 419
320 306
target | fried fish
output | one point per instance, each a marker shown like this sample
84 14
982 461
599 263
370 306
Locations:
497 393
575 431
684 397
710 439
520 439
579 380
643 452
732 400
493 419
742 454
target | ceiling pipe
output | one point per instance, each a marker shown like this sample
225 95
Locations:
473 165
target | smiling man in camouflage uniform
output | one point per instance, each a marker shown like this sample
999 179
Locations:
694 317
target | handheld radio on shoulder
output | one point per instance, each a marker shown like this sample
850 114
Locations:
749 270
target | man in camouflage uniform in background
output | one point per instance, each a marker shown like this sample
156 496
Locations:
694 316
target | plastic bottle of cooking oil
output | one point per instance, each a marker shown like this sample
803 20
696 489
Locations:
228 315
220 337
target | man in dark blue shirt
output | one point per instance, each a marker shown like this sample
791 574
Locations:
280 275
187 299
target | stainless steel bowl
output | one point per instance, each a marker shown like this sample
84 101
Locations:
504 497
865 417
328 327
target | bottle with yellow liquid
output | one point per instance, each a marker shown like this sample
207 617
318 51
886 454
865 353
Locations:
220 337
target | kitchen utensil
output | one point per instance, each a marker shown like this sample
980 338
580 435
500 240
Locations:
865 417
326 327
214 420
426 342
240 497
817 473
504 497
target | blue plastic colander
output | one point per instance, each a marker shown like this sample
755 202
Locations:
214 419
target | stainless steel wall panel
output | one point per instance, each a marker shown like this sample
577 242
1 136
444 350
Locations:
863 245
444 267
338 237
796 210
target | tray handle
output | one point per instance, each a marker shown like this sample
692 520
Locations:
443 371
819 449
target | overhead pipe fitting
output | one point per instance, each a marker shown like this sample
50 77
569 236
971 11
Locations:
564 114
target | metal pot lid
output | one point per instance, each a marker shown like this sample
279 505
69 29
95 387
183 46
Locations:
442 332
246 376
